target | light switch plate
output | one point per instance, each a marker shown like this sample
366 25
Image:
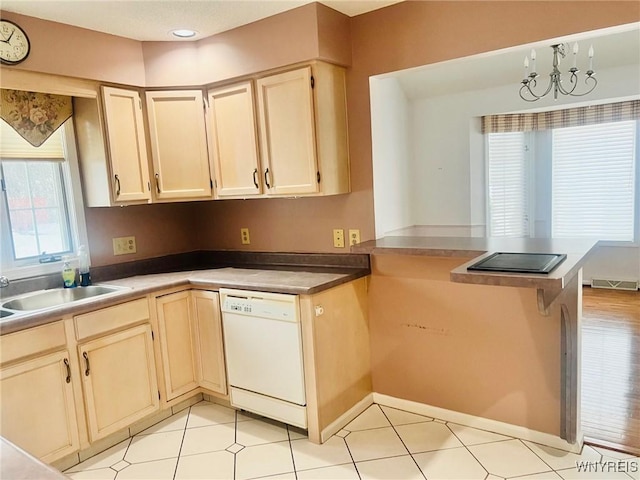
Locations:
338 238
124 245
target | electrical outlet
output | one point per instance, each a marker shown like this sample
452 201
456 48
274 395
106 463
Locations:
244 236
124 245
338 237
354 236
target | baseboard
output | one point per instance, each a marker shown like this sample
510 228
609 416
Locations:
480 423
335 426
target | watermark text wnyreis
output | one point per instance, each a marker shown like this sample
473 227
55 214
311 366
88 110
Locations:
609 466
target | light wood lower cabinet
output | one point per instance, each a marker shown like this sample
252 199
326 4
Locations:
190 335
208 323
119 380
38 412
178 343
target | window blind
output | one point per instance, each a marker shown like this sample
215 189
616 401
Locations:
593 181
14 147
508 185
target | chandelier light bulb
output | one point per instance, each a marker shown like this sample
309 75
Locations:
533 61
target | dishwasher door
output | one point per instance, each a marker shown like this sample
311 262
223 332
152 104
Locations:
263 344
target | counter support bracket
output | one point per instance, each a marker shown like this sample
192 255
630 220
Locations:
546 299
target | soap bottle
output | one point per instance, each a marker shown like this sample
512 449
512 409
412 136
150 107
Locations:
83 266
68 274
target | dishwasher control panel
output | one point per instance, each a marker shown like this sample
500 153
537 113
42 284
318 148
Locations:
277 306
239 305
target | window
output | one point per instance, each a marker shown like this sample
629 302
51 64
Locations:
591 179
41 209
508 176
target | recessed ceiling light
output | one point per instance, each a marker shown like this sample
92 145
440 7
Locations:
183 33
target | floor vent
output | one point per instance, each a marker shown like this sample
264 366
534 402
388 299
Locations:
631 285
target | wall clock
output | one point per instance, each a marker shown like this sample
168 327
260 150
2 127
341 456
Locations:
14 43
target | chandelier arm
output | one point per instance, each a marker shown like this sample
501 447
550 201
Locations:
595 82
527 84
555 82
573 79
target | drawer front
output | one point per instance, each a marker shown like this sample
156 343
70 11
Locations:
111 318
32 341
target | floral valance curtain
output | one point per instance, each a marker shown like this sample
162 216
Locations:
34 116
572 117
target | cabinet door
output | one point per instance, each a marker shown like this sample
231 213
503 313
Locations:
38 412
126 144
206 313
179 144
178 343
233 140
119 380
287 132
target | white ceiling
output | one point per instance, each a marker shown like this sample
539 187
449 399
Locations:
152 20
613 47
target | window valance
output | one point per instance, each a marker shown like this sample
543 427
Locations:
34 116
571 117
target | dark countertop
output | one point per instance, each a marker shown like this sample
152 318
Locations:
280 280
476 248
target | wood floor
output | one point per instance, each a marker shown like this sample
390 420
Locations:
611 368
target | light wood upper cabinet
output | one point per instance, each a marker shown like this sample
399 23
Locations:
119 380
233 140
112 148
126 144
179 145
178 341
287 132
208 323
38 412
302 119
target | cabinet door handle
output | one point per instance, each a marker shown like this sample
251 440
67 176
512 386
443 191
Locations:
158 183
266 178
117 185
66 364
86 359
255 178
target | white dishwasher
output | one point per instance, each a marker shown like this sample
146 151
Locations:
263 347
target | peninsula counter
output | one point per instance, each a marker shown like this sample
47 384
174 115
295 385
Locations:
498 350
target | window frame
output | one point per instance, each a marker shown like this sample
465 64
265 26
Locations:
72 190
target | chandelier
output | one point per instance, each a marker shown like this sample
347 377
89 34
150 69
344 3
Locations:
530 82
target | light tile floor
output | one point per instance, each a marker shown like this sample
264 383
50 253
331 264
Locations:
209 441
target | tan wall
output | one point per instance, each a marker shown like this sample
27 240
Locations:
308 32
408 34
159 230
77 52
476 349
405 35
